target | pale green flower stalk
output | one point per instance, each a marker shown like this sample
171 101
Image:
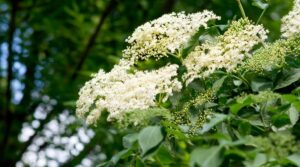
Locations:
227 53
291 22
120 91
165 35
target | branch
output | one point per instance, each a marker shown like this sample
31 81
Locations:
10 58
109 8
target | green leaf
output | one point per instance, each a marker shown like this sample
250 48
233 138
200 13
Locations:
173 130
280 120
244 128
237 82
293 115
236 107
290 77
149 138
260 4
290 98
217 118
293 61
207 157
129 140
260 159
235 153
295 159
115 159
139 162
260 84
164 157
293 100
218 84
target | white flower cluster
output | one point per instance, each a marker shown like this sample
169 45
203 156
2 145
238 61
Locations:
165 35
120 91
291 22
226 52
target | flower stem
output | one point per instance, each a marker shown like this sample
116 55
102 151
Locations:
262 13
241 8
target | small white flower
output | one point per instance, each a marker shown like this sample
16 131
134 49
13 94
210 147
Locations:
120 91
227 52
167 34
291 22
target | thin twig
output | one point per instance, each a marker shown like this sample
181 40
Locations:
109 8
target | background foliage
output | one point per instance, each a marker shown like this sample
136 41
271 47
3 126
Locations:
48 49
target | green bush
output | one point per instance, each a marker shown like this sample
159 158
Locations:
192 92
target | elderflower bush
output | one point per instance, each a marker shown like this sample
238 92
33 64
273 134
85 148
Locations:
190 93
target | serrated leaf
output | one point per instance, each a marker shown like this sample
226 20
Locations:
207 157
149 138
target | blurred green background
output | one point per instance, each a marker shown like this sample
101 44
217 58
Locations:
49 49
